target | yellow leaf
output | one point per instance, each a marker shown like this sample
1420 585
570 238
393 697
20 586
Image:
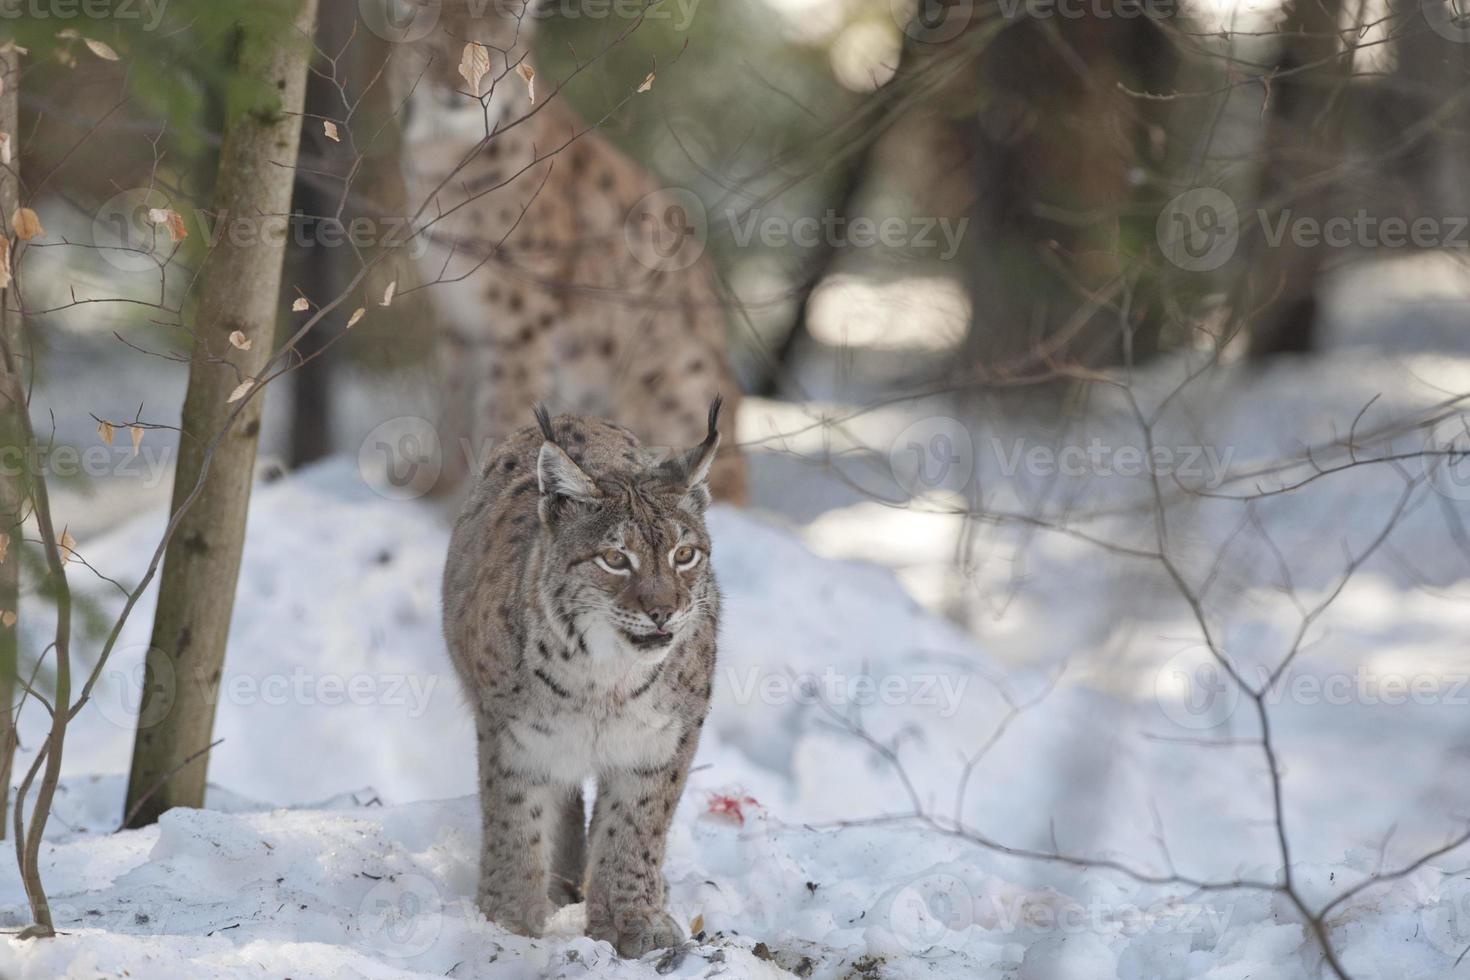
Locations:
388 293
474 65
100 50
300 304
696 925
241 390
647 83
136 431
8 618
357 314
239 341
67 546
104 429
529 74
330 128
26 224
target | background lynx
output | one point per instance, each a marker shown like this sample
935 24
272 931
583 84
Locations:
552 283
580 611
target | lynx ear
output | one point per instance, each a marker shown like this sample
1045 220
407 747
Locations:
691 467
561 480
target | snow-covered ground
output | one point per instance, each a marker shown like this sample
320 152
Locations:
341 841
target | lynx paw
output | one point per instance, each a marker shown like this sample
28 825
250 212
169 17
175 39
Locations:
635 934
525 917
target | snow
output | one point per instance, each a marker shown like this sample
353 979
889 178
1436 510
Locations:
341 841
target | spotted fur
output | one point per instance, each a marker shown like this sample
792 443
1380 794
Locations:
546 290
581 612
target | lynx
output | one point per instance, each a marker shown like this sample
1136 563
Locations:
552 282
580 611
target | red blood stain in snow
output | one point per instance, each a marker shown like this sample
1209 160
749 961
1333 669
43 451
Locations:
730 807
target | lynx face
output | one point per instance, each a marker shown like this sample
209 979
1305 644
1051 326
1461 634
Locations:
629 550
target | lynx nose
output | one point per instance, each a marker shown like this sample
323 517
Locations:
659 614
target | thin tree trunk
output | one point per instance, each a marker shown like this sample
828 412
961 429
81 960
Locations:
1277 300
11 485
240 291
319 264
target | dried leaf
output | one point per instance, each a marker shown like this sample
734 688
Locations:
5 152
26 224
357 314
330 129
696 925
67 545
8 618
104 429
529 74
136 431
301 304
241 390
4 262
171 220
239 341
100 50
474 65
647 83
4 546
388 293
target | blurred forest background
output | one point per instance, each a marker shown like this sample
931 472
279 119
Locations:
1050 139
948 233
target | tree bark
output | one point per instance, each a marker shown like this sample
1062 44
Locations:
316 200
1054 144
240 289
1277 300
11 403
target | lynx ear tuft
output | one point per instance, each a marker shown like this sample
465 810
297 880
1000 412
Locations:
543 419
561 480
691 467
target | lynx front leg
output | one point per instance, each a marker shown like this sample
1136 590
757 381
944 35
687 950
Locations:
516 814
630 823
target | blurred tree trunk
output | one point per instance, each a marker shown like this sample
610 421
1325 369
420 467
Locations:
1429 81
316 199
1058 149
1277 297
240 289
12 402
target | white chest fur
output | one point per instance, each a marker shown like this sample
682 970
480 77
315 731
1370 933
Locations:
574 745
606 729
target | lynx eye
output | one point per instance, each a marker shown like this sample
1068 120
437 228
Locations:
684 555
613 560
